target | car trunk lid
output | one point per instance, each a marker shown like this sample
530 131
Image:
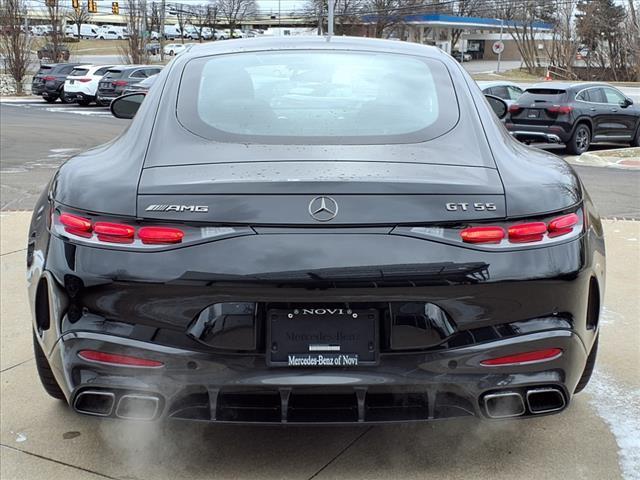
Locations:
289 192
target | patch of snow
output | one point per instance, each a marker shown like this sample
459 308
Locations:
608 316
20 437
619 407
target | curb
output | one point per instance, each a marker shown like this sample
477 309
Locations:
623 158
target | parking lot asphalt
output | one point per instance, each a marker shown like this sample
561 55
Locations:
598 437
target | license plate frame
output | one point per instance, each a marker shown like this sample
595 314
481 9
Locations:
318 331
533 113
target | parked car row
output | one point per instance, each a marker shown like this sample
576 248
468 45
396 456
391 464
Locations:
86 84
571 114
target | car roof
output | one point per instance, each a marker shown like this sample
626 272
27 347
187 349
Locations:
568 85
311 42
496 83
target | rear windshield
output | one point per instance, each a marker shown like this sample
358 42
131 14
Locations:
44 68
317 97
78 72
113 74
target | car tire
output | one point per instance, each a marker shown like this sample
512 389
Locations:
588 369
63 98
50 99
84 102
172 53
580 140
45 373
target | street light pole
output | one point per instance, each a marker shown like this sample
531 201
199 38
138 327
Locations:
330 20
500 52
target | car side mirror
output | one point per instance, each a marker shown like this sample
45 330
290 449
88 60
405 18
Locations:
126 106
627 102
498 105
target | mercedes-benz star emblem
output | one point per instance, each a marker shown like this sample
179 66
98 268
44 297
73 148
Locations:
323 209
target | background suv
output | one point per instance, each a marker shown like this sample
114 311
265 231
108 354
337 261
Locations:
49 81
82 83
574 114
117 79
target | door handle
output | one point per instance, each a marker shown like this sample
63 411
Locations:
592 109
614 109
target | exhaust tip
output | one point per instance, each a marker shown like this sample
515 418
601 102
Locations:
504 405
137 407
545 400
94 402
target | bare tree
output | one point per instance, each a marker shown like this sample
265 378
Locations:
384 14
78 16
55 14
203 16
14 43
236 11
525 17
183 15
564 44
134 50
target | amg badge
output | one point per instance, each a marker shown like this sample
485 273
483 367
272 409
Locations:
177 208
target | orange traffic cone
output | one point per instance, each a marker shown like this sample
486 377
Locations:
547 77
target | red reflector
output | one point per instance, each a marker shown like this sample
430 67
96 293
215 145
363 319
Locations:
523 358
160 235
74 222
119 83
113 359
527 232
482 234
113 229
560 109
563 225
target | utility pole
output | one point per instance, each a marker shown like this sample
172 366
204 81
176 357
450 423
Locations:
163 7
330 19
500 52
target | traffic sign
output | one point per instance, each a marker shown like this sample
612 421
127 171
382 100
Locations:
498 47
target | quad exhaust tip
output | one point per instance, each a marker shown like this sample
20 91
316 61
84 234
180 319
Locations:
95 402
504 405
545 400
137 407
130 406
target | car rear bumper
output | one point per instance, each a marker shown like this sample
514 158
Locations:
147 304
241 389
553 134
105 100
78 97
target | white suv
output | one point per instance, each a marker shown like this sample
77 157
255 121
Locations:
82 83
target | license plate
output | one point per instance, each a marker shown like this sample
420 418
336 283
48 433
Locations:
72 82
533 114
322 337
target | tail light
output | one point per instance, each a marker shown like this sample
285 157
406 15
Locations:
48 78
134 234
114 232
482 234
83 80
560 109
119 83
514 108
527 232
155 235
563 225
504 234
524 358
114 359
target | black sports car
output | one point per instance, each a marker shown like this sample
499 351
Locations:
315 230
